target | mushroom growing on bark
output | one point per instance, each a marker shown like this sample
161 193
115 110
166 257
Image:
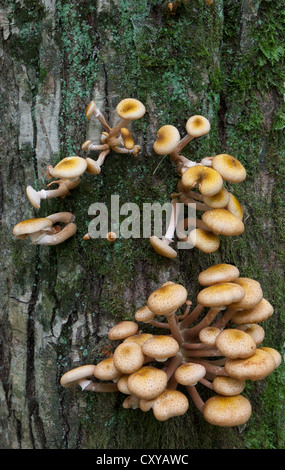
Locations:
117 138
202 349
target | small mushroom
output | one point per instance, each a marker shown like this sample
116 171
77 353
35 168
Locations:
167 139
223 222
207 179
68 168
161 246
128 109
122 330
64 187
229 168
80 376
217 273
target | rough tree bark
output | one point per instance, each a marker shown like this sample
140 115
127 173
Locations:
225 61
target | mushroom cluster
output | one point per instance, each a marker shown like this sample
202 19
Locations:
117 138
217 345
202 185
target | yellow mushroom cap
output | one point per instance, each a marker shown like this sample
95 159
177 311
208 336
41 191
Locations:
228 386
208 180
162 248
141 338
72 377
160 347
227 411
31 226
147 383
167 299
123 330
253 293
204 240
106 370
127 138
224 293
229 168
234 343
170 403
144 314
254 330
197 126
260 312
123 384
235 207
275 354
128 357
69 167
219 200
90 109
208 335
130 108
223 222
189 373
222 272
256 367
167 139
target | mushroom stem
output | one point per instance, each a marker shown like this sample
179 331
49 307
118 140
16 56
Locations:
116 129
172 222
174 363
187 310
177 158
55 239
101 387
192 317
222 322
172 322
200 206
207 320
210 367
195 346
183 142
206 383
89 146
197 400
158 324
204 352
94 112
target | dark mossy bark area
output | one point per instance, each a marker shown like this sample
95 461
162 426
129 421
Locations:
224 61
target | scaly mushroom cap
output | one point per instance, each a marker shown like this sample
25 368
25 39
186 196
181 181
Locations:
123 330
234 343
167 139
162 248
69 167
106 370
227 411
72 377
147 383
204 240
260 312
229 168
130 108
127 138
167 299
228 386
144 314
208 180
235 207
197 126
170 403
253 293
160 347
275 354
256 367
31 226
128 357
123 384
255 331
189 373
223 222
208 335
221 294
219 200
141 338
218 273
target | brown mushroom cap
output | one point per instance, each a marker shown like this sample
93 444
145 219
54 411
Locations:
162 248
144 314
128 357
256 367
234 343
147 383
106 370
197 126
219 200
260 312
275 354
208 335
123 384
253 293
160 347
167 299
228 386
227 411
254 330
130 108
69 167
224 293
170 403
223 222
208 180
229 168
141 338
31 226
167 139
72 377
123 330
235 207
218 273
189 373
204 240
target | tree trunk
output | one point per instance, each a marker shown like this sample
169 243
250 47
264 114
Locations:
224 61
